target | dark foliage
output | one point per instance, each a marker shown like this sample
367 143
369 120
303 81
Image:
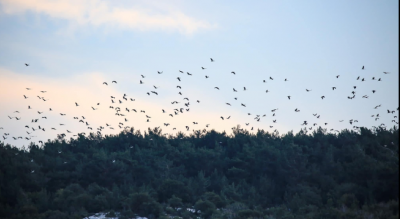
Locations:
263 175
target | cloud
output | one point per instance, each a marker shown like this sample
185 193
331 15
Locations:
100 13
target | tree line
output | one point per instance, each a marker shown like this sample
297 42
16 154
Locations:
318 174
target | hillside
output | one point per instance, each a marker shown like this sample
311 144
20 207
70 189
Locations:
305 175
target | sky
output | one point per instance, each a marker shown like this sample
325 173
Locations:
73 46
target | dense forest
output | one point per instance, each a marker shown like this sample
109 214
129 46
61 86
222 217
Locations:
351 174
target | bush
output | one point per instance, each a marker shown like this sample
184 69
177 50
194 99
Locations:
144 205
244 214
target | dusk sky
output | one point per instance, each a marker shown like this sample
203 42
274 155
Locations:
73 46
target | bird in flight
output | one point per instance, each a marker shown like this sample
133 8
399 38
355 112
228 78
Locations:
216 88
203 68
322 97
337 76
26 64
178 79
212 60
105 83
362 68
159 72
233 72
114 82
288 97
385 72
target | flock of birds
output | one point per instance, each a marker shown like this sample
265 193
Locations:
179 107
